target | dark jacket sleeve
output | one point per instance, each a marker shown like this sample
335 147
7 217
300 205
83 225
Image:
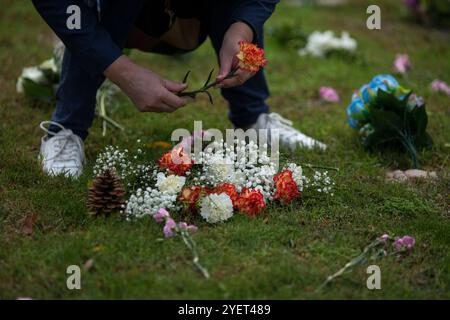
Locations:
254 13
91 45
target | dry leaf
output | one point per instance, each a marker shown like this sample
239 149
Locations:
28 224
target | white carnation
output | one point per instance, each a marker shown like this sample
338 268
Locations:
219 169
171 184
216 208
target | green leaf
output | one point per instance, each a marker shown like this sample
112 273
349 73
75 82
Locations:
388 101
419 115
186 76
209 96
209 78
387 123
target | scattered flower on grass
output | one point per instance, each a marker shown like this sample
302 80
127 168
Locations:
402 63
383 246
440 86
328 94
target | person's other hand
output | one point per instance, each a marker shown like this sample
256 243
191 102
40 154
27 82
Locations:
148 91
238 31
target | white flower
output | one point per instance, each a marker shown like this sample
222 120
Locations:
31 73
297 174
49 65
219 169
320 43
171 184
216 208
148 202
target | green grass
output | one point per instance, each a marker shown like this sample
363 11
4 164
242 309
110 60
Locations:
285 253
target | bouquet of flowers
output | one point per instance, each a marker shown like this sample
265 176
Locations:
211 185
388 115
41 82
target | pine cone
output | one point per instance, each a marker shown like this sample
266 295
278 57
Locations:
106 194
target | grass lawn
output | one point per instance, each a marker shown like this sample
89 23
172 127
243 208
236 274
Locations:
283 254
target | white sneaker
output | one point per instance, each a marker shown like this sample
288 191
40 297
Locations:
289 136
63 153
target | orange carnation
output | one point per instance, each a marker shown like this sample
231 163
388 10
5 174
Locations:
190 196
286 188
229 189
250 57
250 202
177 161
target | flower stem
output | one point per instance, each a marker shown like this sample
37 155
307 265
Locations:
354 262
190 243
207 86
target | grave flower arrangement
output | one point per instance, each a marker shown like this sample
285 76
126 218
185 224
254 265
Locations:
388 115
212 185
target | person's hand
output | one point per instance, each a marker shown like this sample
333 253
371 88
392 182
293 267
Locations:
148 91
237 32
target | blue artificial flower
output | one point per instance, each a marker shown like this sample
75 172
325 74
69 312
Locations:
353 123
384 82
356 111
366 93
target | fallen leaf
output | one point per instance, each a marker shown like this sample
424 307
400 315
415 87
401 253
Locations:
28 224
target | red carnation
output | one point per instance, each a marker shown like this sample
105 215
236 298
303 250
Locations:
250 202
229 189
177 161
286 188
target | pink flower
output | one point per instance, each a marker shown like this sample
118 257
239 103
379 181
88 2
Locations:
384 237
328 94
406 242
402 63
169 228
189 227
161 215
438 85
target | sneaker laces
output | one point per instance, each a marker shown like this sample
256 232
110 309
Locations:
286 130
275 120
68 145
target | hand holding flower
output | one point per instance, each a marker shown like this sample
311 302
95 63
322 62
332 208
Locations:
240 60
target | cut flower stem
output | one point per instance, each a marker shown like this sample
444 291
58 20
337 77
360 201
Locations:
206 86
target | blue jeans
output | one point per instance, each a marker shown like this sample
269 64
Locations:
76 95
